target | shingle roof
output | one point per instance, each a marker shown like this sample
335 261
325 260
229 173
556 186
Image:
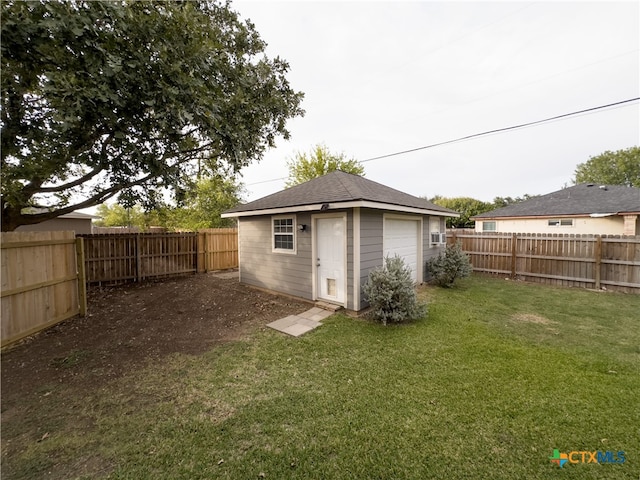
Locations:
336 187
583 199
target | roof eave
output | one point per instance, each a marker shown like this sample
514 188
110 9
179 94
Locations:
551 215
339 205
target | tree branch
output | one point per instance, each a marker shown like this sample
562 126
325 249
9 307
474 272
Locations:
12 218
75 183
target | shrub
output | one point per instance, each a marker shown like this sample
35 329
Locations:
448 266
391 293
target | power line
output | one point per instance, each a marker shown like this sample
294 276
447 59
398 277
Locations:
505 129
482 134
266 181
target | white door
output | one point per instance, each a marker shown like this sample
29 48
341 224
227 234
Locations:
401 238
330 259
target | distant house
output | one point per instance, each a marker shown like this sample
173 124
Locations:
319 240
582 209
74 221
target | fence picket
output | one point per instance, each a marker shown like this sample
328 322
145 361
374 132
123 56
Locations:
39 282
572 260
134 257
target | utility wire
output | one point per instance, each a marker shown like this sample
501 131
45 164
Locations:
482 134
505 129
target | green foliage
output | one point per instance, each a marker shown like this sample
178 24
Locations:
467 207
204 204
499 202
621 167
453 263
391 293
120 216
201 208
319 161
104 97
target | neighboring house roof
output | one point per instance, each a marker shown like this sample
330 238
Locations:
338 190
584 199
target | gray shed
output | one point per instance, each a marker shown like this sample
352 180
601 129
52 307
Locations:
80 223
319 240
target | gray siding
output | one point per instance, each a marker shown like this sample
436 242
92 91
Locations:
370 245
371 239
78 225
430 251
283 272
292 274
350 304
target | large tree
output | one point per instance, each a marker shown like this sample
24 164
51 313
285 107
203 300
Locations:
319 161
129 97
621 167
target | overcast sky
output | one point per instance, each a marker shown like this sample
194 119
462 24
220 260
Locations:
382 77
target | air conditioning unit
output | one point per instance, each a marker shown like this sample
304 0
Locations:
438 238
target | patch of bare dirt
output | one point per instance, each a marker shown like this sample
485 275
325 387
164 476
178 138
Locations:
135 324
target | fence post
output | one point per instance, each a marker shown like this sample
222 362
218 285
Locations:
514 252
597 253
202 252
82 276
138 258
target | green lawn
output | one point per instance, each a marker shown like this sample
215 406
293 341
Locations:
496 377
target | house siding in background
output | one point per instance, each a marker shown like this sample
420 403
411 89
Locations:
613 225
580 209
80 223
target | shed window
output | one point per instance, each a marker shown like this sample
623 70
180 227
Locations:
284 234
488 226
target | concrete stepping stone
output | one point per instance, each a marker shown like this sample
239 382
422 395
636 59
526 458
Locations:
302 323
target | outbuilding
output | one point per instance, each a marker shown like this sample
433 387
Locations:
320 239
80 223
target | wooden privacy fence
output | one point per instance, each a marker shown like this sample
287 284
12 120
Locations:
45 274
217 249
41 283
134 257
590 261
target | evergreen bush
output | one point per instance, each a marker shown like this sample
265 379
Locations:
451 264
391 293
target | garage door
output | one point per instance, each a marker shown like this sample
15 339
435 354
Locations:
401 238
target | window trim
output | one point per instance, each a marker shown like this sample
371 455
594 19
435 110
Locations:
558 222
286 251
495 226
